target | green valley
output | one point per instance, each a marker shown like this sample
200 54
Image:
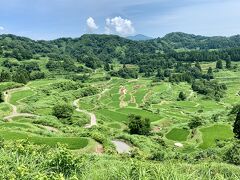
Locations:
124 109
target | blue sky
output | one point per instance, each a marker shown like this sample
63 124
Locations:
50 19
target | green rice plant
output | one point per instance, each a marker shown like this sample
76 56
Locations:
71 142
16 96
213 133
177 134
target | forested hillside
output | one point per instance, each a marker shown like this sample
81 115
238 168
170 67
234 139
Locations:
107 48
189 41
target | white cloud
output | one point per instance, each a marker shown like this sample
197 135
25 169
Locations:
91 25
1 28
120 26
107 30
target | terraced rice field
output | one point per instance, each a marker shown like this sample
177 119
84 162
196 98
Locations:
16 96
71 142
213 133
177 134
120 98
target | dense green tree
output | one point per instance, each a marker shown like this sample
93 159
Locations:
139 125
63 111
167 73
37 75
21 76
233 154
1 97
210 73
10 63
212 89
195 122
236 126
148 74
69 65
16 54
106 67
235 109
182 96
92 62
197 65
31 66
83 78
112 67
53 65
189 41
1 51
125 73
5 76
219 64
160 74
228 63
104 48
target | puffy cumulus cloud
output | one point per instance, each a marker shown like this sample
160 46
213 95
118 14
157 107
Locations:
1 28
91 25
120 26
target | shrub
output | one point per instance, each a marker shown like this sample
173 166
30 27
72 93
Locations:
139 125
125 73
63 161
63 111
219 64
37 75
211 89
235 109
182 96
158 155
236 126
233 154
195 122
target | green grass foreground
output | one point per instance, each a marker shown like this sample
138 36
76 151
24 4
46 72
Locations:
21 160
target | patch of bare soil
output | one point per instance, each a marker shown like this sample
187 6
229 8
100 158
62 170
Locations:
133 100
122 92
146 97
156 129
99 149
137 87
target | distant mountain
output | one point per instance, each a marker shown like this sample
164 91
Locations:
139 37
178 40
98 48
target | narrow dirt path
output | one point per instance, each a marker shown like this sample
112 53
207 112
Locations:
93 119
14 113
